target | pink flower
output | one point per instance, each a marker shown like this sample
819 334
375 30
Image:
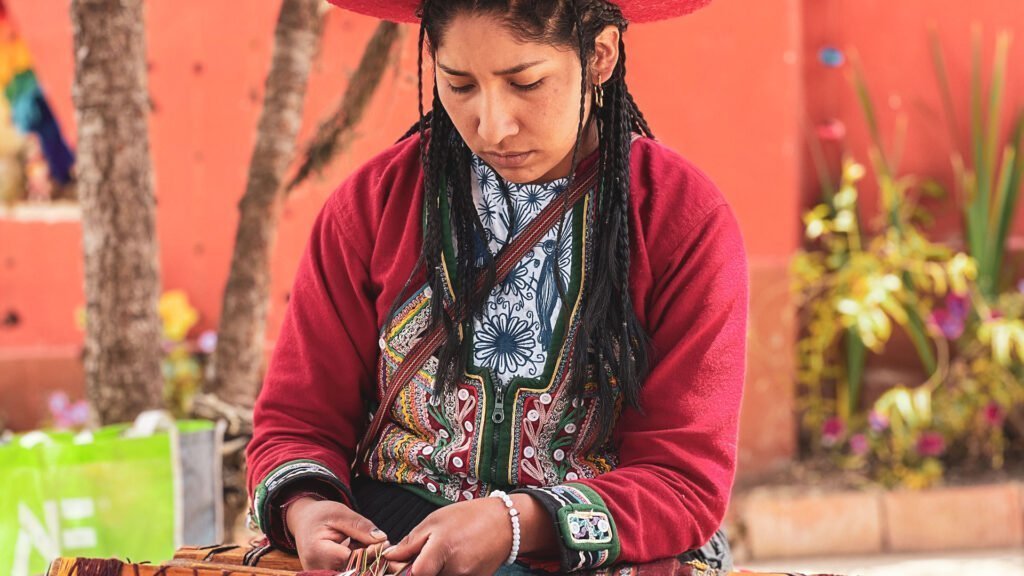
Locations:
993 414
58 402
859 444
877 421
951 319
931 444
832 130
67 414
831 431
207 341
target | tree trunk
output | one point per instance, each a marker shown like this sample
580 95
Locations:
115 184
333 134
238 358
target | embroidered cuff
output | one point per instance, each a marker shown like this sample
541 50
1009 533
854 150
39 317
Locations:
312 476
588 539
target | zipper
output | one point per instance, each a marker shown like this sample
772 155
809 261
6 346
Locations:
497 418
498 414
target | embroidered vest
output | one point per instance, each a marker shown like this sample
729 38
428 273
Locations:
510 421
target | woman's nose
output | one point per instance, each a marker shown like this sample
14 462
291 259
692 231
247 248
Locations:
497 121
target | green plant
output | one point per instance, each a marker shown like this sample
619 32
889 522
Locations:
989 184
856 286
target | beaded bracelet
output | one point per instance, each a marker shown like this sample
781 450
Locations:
514 515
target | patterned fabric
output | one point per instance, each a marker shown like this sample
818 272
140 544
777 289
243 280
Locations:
514 335
511 422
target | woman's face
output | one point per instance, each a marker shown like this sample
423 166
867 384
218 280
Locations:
516 104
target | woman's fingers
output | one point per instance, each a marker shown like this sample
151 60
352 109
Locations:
409 547
357 527
325 555
432 558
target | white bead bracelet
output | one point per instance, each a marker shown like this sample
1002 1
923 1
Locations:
514 516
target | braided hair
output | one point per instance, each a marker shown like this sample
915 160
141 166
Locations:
610 354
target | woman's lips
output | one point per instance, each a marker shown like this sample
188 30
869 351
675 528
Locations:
512 160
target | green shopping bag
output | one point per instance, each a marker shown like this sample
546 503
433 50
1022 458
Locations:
97 494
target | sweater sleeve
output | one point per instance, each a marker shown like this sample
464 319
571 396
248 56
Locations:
311 410
677 458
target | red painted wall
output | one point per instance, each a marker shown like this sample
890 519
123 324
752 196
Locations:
891 39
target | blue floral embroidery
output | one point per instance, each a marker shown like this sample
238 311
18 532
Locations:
518 280
514 334
487 210
503 342
536 196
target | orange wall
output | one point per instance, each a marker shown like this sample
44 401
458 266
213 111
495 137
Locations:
696 79
892 41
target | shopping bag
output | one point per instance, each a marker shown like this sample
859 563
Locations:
116 491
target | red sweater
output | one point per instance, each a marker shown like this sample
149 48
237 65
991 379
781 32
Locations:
675 462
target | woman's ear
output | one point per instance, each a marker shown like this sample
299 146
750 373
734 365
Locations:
606 54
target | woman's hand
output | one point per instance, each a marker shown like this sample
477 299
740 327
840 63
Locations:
474 537
324 532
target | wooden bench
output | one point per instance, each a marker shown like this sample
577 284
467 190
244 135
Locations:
229 560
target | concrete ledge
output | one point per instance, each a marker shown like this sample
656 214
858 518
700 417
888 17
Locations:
955 518
790 522
777 524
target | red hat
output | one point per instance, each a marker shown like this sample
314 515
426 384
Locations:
634 10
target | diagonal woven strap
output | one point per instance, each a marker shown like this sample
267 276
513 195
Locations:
509 256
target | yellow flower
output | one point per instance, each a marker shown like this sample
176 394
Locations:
814 221
844 221
961 268
853 171
1006 337
846 198
177 315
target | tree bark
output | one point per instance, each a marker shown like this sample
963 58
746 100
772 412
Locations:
115 185
238 359
332 136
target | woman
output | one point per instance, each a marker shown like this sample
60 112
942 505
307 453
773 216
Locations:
598 383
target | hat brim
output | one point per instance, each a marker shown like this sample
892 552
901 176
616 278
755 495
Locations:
638 11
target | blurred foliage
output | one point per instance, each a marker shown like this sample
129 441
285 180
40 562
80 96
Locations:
988 184
856 287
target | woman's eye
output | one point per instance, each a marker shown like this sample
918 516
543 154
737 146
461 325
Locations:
521 87
528 87
460 89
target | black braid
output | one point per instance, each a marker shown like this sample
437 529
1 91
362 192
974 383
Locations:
584 89
637 117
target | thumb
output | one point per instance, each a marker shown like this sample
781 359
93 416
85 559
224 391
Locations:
357 527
